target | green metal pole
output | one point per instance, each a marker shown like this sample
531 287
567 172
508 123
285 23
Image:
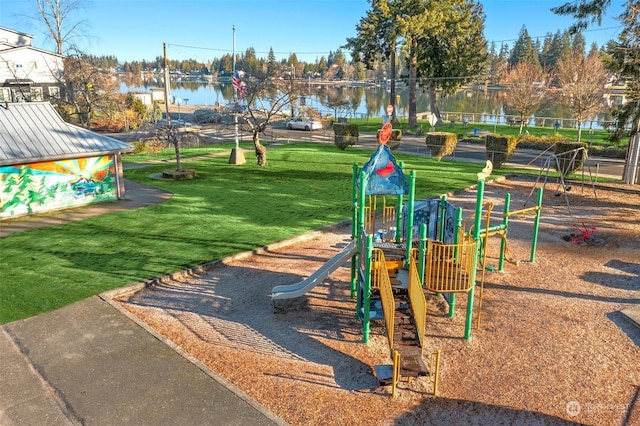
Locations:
412 191
366 323
505 223
422 252
354 228
359 227
399 213
536 225
354 201
476 238
443 201
452 297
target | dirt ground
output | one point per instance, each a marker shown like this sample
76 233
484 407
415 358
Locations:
552 347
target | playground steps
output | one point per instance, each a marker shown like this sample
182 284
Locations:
399 278
406 340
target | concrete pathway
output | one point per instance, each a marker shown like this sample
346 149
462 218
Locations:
89 364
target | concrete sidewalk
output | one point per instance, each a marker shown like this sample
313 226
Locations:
88 363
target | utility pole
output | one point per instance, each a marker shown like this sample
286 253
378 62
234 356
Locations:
166 83
630 173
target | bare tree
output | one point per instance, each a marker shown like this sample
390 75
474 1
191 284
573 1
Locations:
56 15
266 98
172 135
582 86
89 89
526 90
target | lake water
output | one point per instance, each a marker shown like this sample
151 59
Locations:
486 106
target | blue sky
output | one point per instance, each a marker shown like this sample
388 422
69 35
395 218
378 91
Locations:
202 29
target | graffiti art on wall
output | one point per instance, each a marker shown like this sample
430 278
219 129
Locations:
37 187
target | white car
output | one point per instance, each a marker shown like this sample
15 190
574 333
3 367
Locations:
300 124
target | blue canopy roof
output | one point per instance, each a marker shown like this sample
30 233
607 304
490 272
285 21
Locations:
384 176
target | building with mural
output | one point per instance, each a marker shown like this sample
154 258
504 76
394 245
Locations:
47 164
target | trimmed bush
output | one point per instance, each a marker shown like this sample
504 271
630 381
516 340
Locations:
570 160
609 151
345 134
441 144
500 148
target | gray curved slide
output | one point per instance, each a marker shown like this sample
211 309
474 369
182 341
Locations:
291 291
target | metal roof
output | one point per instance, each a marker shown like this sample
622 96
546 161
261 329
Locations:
34 131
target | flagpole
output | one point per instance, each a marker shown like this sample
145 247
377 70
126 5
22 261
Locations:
237 155
235 91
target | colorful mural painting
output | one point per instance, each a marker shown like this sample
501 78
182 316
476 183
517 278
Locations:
37 187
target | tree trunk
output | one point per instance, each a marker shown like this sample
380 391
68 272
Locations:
413 66
433 103
579 123
176 147
392 86
261 151
521 124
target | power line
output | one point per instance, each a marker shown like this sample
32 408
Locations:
231 51
325 52
542 36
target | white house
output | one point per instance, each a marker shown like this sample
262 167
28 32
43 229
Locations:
26 72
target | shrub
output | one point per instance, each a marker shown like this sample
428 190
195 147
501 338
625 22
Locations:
148 146
441 144
500 148
609 151
106 125
345 134
570 156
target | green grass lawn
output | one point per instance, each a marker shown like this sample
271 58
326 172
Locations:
226 209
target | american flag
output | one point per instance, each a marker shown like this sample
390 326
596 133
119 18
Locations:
239 85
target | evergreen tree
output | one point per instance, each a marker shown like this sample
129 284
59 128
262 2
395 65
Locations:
272 65
321 65
376 42
454 53
546 52
578 44
250 63
523 50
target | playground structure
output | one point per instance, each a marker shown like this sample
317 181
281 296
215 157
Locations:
565 163
402 250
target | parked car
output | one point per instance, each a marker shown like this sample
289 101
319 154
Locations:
304 124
